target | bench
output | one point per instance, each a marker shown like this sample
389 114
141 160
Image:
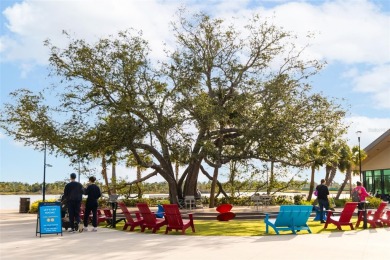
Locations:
290 217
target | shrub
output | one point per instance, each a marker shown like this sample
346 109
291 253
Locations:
35 204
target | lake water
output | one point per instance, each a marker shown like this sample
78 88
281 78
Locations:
12 202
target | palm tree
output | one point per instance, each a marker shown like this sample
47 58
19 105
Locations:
345 165
356 161
314 154
349 161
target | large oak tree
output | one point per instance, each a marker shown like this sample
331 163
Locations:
224 94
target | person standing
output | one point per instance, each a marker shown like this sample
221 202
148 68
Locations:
362 194
322 196
94 193
73 193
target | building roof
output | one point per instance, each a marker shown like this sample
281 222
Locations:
380 144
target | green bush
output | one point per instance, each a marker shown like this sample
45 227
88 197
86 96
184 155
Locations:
373 202
298 199
281 200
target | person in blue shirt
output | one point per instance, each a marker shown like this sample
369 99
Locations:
322 196
94 193
73 193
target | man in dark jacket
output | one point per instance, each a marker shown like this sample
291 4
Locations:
73 194
322 196
93 192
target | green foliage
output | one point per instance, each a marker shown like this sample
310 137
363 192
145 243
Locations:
299 199
35 204
373 202
282 200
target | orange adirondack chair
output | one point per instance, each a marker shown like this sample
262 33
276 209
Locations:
175 220
344 219
150 220
374 218
129 219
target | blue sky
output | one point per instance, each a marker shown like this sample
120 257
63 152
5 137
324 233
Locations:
353 36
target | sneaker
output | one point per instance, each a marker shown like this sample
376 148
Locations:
94 229
81 227
71 231
85 229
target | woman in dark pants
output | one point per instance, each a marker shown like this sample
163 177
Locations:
94 193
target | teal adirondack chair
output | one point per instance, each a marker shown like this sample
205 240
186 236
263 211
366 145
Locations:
290 217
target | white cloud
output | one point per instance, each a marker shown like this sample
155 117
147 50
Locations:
371 129
347 30
32 22
375 81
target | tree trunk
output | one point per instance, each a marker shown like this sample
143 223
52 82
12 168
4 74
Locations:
333 170
350 186
138 184
213 185
347 174
311 188
113 176
177 171
271 181
327 172
104 174
192 179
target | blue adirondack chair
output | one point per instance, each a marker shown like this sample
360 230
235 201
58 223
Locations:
290 217
160 211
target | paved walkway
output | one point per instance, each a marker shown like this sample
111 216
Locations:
18 241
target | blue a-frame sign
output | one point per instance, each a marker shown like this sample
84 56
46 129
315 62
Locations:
49 218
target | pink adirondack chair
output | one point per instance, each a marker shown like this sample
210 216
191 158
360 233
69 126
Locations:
175 220
129 219
344 219
150 219
373 218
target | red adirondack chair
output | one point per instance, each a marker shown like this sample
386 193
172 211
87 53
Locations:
386 218
100 216
344 219
175 220
373 218
108 215
129 219
150 220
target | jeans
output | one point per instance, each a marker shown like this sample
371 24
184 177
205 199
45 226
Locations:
323 204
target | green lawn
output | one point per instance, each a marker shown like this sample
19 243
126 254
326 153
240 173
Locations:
241 228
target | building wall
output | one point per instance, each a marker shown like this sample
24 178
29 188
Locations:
380 161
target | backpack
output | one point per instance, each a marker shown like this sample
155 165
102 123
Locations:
355 195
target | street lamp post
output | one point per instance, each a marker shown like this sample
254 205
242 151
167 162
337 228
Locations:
44 172
360 157
361 180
